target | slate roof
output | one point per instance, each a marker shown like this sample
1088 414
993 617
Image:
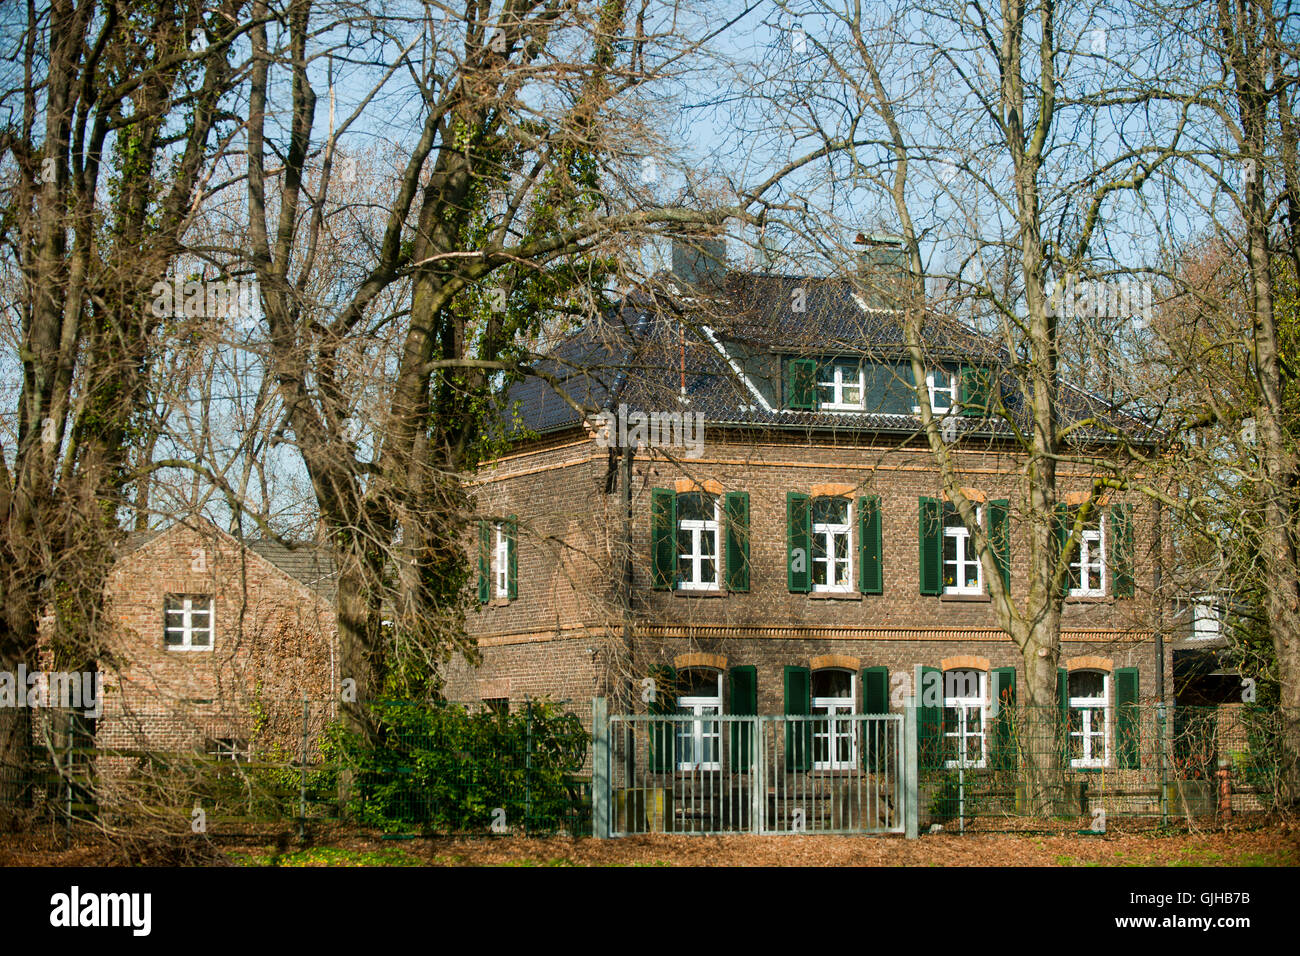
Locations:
725 346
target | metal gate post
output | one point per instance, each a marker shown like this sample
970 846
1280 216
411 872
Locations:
911 782
757 790
600 794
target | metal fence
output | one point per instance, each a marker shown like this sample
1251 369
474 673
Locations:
433 771
754 774
1084 768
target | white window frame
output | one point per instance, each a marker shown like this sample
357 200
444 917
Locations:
691 735
964 556
836 730
1207 619
696 556
186 628
828 532
1088 734
839 380
963 705
1090 557
934 389
501 556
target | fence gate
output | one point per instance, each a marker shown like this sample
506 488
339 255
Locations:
730 774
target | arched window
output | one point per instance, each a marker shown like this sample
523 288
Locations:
1088 731
962 572
834 740
965 713
699 741
697 541
832 544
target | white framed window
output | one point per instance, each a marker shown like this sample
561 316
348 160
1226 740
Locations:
1207 618
832 544
501 560
699 741
1088 565
1089 719
965 713
697 541
840 387
227 748
834 740
962 573
188 622
943 388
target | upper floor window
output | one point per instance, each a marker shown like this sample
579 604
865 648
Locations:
962 573
943 388
1089 719
501 560
840 387
832 544
965 706
834 740
498 568
188 622
699 538
1088 563
698 531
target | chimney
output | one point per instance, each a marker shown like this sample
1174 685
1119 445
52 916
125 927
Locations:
883 271
699 259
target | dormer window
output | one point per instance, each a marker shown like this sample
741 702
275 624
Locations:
840 387
944 388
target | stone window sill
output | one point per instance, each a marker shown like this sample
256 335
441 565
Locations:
967 598
835 595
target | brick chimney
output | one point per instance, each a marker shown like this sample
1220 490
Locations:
883 271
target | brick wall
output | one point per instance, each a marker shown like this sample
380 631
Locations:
569 535
272 644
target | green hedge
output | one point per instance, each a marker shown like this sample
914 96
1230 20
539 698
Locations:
440 769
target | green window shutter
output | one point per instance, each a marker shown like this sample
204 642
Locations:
736 506
976 390
1000 540
798 702
798 520
801 384
663 538
1061 524
663 733
930 533
1128 718
875 690
930 741
1121 549
512 558
484 566
875 700
1004 730
871 575
742 700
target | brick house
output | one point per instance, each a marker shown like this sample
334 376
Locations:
214 644
799 557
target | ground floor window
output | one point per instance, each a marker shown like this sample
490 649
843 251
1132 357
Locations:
834 739
699 741
965 707
1089 720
